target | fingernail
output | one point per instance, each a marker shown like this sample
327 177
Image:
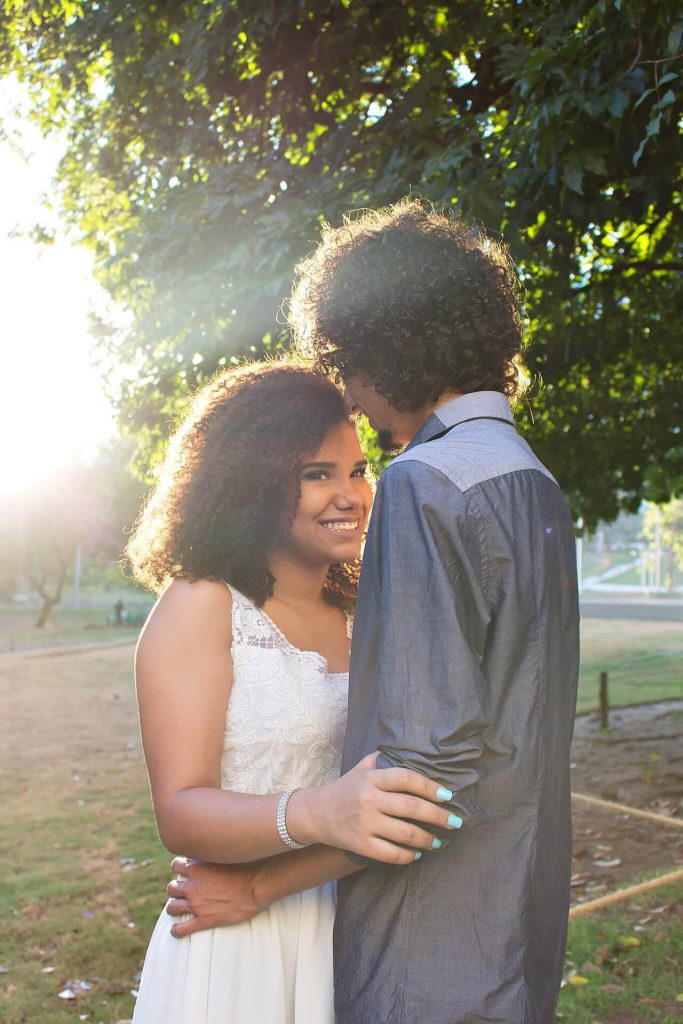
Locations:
454 821
443 794
436 843
417 855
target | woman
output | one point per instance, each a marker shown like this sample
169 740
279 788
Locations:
253 536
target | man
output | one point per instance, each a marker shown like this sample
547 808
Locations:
465 655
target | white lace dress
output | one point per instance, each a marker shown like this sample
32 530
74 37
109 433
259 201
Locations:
285 727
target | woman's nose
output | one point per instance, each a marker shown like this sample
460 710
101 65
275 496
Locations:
347 498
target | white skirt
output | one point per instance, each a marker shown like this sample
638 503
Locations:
274 969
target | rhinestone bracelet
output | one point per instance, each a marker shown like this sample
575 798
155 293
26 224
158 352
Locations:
281 821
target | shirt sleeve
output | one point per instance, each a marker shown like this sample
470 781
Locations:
432 622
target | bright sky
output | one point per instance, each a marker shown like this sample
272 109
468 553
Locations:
52 404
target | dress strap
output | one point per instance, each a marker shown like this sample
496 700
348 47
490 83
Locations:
236 595
250 625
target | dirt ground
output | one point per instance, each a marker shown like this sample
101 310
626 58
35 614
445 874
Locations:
637 762
69 736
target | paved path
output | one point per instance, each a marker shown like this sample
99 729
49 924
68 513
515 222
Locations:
609 574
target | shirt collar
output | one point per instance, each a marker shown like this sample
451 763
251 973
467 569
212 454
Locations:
473 406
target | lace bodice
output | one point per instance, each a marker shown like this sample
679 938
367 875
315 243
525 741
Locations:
286 715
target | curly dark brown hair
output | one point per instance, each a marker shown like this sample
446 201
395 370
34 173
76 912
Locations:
416 301
229 486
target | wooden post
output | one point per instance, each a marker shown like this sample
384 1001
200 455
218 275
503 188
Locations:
604 702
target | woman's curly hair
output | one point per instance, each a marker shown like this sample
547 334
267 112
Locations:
416 301
229 486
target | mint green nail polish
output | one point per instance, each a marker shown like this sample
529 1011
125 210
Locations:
417 855
443 794
454 821
436 843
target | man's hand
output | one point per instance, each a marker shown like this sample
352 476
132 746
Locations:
215 895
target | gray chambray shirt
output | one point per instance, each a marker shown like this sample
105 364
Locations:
464 667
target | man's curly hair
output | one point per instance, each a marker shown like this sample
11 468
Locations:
229 486
417 302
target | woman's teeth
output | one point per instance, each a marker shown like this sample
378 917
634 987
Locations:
340 526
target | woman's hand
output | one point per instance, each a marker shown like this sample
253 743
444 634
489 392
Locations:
369 811
215 895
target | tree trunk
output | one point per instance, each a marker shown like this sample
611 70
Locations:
45 611
49 600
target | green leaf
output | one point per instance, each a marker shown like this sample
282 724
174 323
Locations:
652 129
618 102
667 99
440 20
595 162
639 152
643 96
653 126
572 175
174 38
674 38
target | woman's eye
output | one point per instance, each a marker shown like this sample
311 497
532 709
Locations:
322 474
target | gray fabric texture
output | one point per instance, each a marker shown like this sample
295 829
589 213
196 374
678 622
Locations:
464 667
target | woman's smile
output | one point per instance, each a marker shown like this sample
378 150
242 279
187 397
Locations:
341 525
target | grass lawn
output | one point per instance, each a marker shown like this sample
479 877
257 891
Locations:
634 577
66 626
84 873
623 966
644 660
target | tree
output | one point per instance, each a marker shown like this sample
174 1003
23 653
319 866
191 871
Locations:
207 140
87 506
663 527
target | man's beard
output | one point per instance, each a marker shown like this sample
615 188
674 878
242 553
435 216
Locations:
387 443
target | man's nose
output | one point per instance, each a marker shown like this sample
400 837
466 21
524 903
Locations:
349 402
